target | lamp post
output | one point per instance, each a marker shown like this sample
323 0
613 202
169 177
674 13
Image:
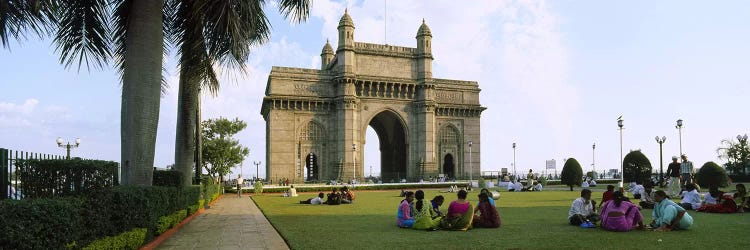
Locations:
593 158
257 165
622 169
354 157
661 158
679 129
68 146
514 161
471 169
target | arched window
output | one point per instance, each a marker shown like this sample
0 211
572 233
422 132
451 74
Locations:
449 136
311 132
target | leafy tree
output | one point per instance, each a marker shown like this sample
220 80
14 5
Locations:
637 167
737 154
220 151
205 35
572 174
711 175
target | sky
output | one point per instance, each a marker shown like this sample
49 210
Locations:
555 75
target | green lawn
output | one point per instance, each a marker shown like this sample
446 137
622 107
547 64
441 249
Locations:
533 220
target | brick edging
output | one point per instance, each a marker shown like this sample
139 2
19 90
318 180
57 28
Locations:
166 235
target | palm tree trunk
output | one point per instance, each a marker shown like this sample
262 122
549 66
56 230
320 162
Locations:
198 141
187 107
141 91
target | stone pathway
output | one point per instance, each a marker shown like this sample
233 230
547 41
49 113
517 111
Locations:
231 223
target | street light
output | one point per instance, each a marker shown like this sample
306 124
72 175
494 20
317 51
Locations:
661 158
354 156
514 161
68 146
622 169
593 158
257 165
679 128
471 169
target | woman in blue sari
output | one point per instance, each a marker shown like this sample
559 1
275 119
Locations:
668 215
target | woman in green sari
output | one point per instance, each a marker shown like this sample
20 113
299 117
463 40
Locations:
423 214
460 214
668 215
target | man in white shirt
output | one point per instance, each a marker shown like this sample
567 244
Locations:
686 171
239 185
511 186
519 186
592 183
538 187
582 211
691 199
635 190
315 201
585 184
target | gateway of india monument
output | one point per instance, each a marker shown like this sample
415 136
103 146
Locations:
316 118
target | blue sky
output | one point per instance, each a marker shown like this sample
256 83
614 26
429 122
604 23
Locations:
554 75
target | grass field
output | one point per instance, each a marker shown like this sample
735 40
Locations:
530 220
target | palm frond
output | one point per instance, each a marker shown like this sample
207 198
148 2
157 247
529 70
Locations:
18 17
83 33
231 27
298 10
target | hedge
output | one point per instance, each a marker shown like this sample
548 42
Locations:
358 187
57 223
128 240
169 221
167 178
58 178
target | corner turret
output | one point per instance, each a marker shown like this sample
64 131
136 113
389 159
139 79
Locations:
424 51
326 56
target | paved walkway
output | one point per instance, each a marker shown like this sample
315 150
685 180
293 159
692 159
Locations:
231 223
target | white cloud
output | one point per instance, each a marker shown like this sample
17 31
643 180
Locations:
26 108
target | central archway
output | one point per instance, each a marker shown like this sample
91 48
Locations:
449 166
391 133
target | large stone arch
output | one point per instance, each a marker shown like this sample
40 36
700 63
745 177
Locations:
392 132
450 148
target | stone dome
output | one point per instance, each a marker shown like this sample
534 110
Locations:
424 30
327 49
346 20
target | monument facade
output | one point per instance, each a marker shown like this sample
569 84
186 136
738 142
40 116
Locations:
316 118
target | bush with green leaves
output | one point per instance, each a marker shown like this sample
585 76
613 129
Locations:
258 187
169 221
572 174
637 167
167 178
130 240
58 178
711 175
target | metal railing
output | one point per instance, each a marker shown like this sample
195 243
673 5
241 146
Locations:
10 187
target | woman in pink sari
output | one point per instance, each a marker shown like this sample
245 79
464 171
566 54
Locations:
620 215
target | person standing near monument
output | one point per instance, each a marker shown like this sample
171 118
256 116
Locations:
686 168
239 185
673 171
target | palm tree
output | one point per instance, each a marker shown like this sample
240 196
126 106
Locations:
209 32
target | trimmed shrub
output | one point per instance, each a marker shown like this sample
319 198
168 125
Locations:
40 223
637 167
571 174
711 175
128 240
543 180
58 178
258 187
169 221
167 178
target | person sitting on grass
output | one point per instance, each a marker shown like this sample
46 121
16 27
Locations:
585 183
691 199
334 198
511 186
347 196
487 215
424 217
405 218
538 187
592 183
582 211
518 187
647 197
667 215
315 201
436 203
292 191
635 190
620 215
717 202
487 191
742 198
609 194
460 214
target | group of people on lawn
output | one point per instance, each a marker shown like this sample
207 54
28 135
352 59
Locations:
336 197
461 215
